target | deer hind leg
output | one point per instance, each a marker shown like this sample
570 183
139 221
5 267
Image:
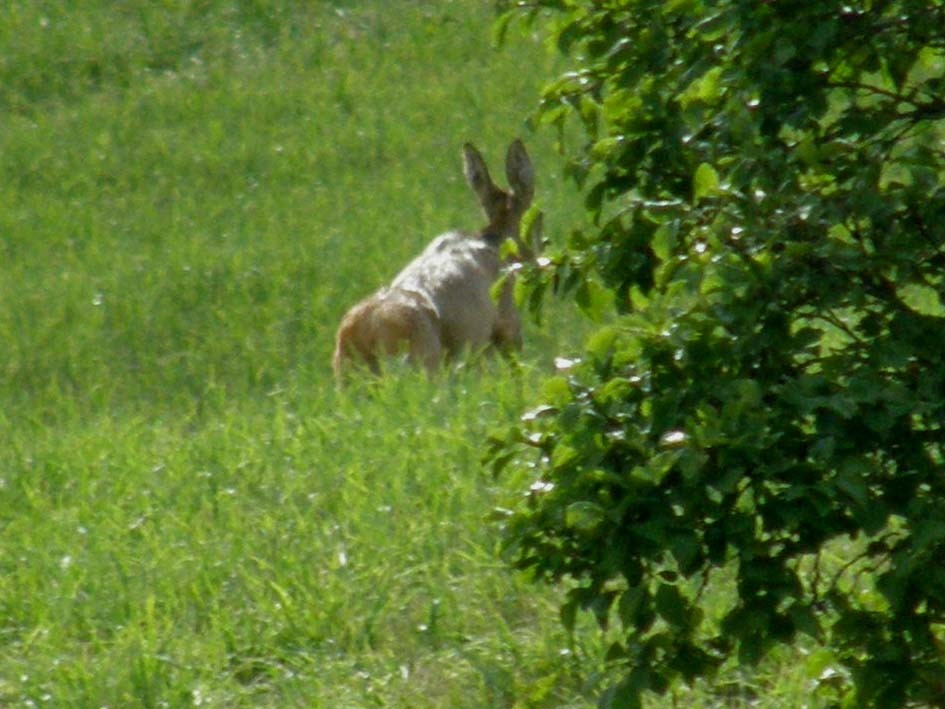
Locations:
425 341
388 324
407 323
425 349
507 337
356 340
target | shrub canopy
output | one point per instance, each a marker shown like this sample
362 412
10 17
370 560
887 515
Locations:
762 404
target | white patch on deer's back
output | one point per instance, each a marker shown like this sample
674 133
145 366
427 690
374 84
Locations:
456 272
446 242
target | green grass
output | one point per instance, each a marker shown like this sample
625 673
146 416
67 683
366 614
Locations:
191 195
294 550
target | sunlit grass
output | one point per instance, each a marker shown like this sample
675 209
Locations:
191 196
301 536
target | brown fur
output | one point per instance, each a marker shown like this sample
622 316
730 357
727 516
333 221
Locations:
441 302
385 324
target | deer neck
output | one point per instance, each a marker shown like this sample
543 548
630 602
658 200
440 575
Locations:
493 237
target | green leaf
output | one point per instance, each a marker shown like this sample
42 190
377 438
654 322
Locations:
706 89
615 653
805 620
752 648
601 343
661 464
631 603
674 6
563 456
638 299
672 606
851 481
664 242
556 391
705 182
568 614
923 299
594 299
687 552
500 28
626 694
584 516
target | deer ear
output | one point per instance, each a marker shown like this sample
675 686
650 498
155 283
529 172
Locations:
474 167
519 172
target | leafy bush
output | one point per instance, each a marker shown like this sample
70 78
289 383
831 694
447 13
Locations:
762 404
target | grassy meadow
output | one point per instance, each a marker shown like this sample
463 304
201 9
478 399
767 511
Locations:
191 195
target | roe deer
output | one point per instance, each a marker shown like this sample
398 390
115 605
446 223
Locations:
441 302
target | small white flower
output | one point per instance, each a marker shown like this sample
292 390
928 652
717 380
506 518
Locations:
673 439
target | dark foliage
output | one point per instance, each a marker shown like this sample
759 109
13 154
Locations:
765 188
